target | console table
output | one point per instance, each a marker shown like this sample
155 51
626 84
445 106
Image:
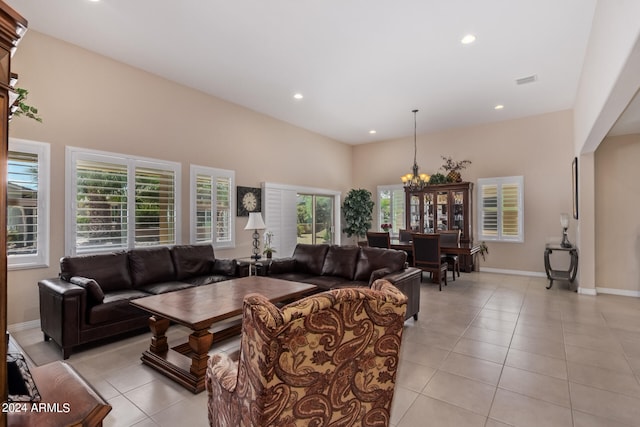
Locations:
570 273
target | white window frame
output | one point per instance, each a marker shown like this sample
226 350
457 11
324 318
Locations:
214 173
73 154
41 258
499 182
393 188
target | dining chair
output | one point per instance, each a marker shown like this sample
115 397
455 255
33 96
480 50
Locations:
426 256
379 239
404 235
450 238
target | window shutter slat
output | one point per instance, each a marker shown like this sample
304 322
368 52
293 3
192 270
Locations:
22 203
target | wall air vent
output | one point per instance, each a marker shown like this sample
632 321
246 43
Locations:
529 79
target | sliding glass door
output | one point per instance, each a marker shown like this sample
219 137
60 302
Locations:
315 215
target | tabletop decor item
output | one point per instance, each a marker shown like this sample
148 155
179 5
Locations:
564 222
386 227
453 168
255 223
268 249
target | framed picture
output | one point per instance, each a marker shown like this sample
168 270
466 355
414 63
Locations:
249 199
574 186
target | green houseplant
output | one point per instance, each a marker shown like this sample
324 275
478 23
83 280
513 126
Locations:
357 209
21 108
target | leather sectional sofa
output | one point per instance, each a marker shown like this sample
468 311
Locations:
333 266
89 301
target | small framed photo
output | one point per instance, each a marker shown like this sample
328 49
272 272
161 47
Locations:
574 186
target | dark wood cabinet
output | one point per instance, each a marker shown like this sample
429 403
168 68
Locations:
441 207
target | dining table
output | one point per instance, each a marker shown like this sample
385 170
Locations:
467 251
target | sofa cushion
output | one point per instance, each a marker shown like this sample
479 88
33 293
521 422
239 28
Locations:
310 258
225 266
292 276
94 291
192 260
326 283
341 261
111 271
115 307
206 279
164 287
282 265
151 265
375 258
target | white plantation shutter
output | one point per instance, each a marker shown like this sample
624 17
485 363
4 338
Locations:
501 208
396 215
212 206
27 204
118 202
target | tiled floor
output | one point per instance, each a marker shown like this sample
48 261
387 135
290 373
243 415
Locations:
489 350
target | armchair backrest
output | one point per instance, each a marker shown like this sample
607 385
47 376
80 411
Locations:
378 239
328 357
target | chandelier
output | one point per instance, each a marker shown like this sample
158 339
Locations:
415 181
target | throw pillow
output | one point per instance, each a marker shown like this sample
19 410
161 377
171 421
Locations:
94 291
225 266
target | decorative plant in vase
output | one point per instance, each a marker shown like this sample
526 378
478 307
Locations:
386 227
268 249
357 209
21 108
453 168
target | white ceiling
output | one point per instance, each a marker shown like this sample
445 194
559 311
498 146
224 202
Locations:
360 64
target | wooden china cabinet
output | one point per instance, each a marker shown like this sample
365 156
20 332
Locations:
441 207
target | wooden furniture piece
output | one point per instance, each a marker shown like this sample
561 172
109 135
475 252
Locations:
66 398
570 273
198 309
467 252
451 238
327 360
426 256
378 239
13 28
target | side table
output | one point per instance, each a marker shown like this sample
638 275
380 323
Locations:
249 267
570 273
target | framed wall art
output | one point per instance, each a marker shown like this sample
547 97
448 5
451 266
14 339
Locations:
574 186
249 199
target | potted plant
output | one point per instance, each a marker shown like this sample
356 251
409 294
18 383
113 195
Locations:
268 249
357 209
484 249
453 168
21 108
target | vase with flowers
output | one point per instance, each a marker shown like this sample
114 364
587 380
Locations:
453 168
386 227
268 248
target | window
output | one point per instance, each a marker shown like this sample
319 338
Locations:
28 204
315 218
212 206
501 208
120 202
391 206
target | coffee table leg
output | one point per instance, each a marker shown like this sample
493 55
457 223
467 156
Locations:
158 326
200 344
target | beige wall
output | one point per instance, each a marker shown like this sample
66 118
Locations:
87 100
540 148
617 221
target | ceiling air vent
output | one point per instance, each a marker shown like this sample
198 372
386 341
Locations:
529 79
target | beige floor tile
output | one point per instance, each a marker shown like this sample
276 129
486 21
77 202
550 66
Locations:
602 343
605 404
551 333
488 335
537 386
613 361
403 398
544 365
481 350
494 324
157 395
413 376
604 379
123 413
191 412
541 346
428 411
463 392
472 368
580 419
422 354
522 411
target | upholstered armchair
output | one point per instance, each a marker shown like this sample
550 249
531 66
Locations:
328 359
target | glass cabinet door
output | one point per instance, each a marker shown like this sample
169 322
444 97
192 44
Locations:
442 213
457 214
428 213
415 212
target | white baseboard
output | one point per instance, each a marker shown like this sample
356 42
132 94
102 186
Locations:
622 292
31 324
514 272
587 291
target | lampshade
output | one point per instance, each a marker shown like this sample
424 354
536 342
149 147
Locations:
564 220
255 222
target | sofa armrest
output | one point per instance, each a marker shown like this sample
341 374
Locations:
281 265
378 274
62 312
408 282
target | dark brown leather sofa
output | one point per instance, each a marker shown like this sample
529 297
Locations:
334 266
89 301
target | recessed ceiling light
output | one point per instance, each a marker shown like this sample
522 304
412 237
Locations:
468 39
298 96
498 107
372 131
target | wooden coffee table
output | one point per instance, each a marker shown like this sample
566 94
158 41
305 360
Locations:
199 309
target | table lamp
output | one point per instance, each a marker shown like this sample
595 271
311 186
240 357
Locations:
255 223
564 222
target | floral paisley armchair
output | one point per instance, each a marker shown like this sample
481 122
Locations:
328 359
